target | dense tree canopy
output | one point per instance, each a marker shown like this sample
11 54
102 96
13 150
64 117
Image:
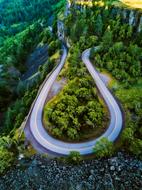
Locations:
23 26
18 45
16 15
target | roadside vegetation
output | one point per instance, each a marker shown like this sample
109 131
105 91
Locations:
74 158
8 150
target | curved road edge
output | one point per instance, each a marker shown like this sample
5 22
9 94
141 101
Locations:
116 116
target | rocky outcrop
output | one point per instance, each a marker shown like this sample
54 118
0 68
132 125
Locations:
120 173
140 25
132 17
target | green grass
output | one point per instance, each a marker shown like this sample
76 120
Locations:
55 56
133 3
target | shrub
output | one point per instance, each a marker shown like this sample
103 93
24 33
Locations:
6 159
103 148
6 154
136 148
53 46
74 157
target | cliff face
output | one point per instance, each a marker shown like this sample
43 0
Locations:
132 17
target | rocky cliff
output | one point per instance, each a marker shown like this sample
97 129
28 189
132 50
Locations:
132 17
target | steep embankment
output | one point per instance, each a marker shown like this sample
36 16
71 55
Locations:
131 16
128 15
120 172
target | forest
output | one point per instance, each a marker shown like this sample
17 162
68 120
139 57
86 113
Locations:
78 112
17 47
119 53
17 15
23 27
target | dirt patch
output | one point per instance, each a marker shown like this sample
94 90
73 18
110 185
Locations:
56 88
105 78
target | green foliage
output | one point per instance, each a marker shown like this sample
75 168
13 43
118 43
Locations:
17 112
74 157
23 26
16 15
13 57
15 50
6 159
123 61
47 68
136 147
84 44
5 89
107 40
7 155
74 109
46 36
53 46
128 136
98 25
119 53
103 148
131 135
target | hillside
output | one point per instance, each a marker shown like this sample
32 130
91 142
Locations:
70 94
24 29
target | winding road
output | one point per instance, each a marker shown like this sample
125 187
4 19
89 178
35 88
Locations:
52 145
34 129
